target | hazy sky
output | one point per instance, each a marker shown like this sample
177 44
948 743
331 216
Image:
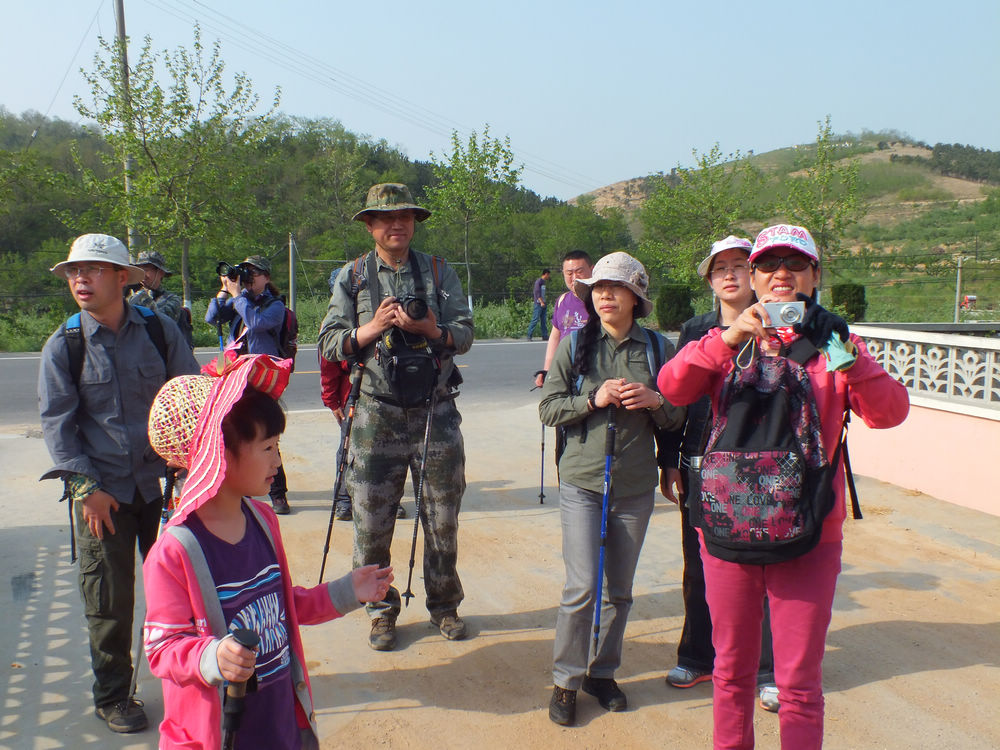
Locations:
590 93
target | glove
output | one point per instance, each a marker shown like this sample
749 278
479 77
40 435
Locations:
819 324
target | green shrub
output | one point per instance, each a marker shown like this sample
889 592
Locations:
507 319
673 306
852 297
27 331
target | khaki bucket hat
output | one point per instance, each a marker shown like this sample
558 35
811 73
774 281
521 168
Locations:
623 269
103 248
390 196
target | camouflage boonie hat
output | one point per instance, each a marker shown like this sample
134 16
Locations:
258 261
390 196
153 258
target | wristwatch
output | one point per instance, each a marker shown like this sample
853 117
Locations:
592 398
654 408
442 340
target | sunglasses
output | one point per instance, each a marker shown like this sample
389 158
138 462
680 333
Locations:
771 263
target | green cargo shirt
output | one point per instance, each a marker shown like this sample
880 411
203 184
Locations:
633 467
345 313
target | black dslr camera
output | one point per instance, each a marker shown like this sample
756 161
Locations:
238 273
415 307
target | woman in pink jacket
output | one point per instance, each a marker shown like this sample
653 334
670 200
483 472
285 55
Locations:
220 566
784 267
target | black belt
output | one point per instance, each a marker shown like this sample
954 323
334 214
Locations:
393 402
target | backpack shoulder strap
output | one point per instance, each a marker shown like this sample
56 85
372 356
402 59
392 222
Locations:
801 350
154 329
656 350
574 336
74 346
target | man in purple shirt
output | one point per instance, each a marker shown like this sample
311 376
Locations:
569 313
538 310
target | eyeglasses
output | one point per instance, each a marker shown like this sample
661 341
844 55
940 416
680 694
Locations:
794 263
736 270
90 272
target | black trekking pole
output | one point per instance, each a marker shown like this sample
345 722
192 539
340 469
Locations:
232 707
170 478
408 594
345 443
541 482
609 449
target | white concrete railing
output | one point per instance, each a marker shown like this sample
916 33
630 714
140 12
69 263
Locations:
942 371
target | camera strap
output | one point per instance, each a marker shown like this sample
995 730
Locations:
375 293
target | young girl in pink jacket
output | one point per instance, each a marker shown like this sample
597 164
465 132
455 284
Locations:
220 566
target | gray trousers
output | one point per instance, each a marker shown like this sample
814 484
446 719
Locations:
386 442
628 518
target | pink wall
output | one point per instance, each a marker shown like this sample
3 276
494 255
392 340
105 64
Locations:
949 456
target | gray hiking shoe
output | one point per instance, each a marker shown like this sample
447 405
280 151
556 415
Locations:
769 698
342 510
562 706
451 625
383 635
124 716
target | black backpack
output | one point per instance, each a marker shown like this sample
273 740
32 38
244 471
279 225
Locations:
766 484
75 342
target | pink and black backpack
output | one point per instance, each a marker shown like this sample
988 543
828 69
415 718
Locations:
766 484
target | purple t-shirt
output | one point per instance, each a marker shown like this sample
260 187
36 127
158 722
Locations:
570 314
248 581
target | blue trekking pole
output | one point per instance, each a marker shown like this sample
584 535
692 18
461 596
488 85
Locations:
609 450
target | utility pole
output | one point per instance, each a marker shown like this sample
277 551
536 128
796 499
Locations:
291 272
958 286
123 62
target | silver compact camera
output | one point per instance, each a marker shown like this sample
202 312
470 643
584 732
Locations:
785 313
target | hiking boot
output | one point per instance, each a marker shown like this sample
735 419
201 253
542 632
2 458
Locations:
607 692
451 625
383 635
769 698
342 510
682 677
280 505
124 716
562 706
400 511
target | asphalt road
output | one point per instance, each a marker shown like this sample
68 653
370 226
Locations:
494 372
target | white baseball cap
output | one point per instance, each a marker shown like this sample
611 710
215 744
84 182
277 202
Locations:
732 242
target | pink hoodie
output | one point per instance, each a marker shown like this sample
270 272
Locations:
184 625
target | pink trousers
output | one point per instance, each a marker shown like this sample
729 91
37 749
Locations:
800 592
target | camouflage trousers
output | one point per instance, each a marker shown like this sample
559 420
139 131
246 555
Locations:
386 442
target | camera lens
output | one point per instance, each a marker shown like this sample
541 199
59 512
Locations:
416 308
790 314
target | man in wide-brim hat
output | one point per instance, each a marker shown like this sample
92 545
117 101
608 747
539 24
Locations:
389 425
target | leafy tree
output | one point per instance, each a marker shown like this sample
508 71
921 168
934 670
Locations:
471 185
691 208
826 197
193 144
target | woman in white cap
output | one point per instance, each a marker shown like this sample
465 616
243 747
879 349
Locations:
784 267
604 367
726 270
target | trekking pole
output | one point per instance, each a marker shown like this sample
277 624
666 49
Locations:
408 594
609 449
541 482
222 340
352 400
232 707
170 478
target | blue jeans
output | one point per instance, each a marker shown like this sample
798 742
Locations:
538 318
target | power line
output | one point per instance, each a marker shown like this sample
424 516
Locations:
294 60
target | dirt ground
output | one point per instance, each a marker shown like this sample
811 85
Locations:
912 654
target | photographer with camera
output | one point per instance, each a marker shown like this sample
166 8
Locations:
255 310
403 316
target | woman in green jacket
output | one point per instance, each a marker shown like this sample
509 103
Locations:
605 366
